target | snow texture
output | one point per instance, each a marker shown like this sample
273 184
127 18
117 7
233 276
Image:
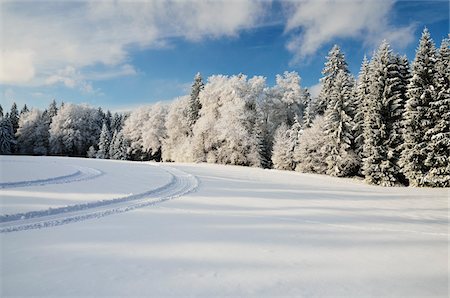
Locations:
243 232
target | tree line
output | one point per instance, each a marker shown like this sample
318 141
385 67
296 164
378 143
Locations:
390 125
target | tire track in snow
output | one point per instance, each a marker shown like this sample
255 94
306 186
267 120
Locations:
180 184
81 174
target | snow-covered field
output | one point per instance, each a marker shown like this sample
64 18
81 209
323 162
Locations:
157 230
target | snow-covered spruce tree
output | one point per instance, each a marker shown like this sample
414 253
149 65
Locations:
334 64
361 102
177 145
119 146
104 142
29 133
24 110
421 93
311 152
341 159
282 158
383 119
52 110
308 115
194 103
438 147
14 119
1 111
6 136
263 139
295 133
91 153
116 122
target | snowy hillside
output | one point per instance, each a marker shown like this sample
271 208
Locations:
119 228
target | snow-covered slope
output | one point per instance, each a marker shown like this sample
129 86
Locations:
241 232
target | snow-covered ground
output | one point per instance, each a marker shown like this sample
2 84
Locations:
211 230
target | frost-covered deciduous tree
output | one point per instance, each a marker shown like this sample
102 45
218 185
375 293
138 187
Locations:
334 64
311 153
74 129
286 100
421 93
145 130
383 119
104 142
177 145
224 131
154 131
341 159
6 136
438 135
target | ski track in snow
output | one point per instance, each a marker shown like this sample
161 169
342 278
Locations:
81 174
180 184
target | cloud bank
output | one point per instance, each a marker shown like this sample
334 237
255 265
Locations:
75 42
312 23
48 42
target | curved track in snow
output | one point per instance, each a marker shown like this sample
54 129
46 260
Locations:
81 174
180 184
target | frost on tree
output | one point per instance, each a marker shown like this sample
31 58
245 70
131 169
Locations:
119 146
383 121
6 136
177 146
295 133
438 146
361 103
194 102
421 134
104 142
282 158
334 64
341 160
145 130
32 134
224 131
74 129
311 152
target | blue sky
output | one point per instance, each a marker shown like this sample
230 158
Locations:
119 55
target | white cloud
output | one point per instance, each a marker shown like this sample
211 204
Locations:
40 40
314 90
71 78
16 66
313 23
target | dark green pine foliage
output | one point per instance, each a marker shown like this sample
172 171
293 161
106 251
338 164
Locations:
438 147
194 102
341 160
24 110
14 117
334 64
417 118
383 120
7 139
